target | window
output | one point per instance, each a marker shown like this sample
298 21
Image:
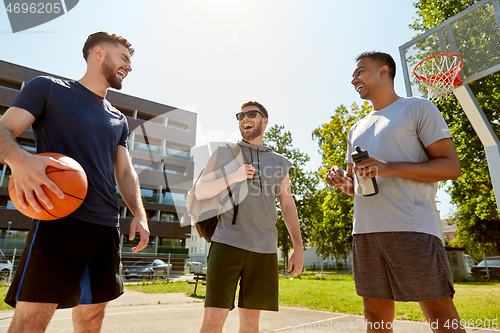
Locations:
10 83
178 124
149 195
28 145
153 118
126 111
175 169
173 199
145 164
3 108
153 145
169 217
151 214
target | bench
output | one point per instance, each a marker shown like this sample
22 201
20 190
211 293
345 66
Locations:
199 278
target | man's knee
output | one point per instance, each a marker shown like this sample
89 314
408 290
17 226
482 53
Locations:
378 309
439 308
32 317
88 318
249 315
214 317
249 320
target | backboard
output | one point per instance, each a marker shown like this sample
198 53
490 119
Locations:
474 34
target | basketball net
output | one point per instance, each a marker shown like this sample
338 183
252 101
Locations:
439 73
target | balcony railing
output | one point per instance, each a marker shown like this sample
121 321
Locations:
157 150
173 201
139 146
155 198
178 154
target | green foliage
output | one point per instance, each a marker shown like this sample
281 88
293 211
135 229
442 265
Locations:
431 13
472 194
331 231
303 184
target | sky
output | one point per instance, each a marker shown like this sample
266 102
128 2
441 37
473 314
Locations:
209 56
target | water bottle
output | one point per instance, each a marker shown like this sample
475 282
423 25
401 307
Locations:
369 186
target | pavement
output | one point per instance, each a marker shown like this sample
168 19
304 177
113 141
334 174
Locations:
180 313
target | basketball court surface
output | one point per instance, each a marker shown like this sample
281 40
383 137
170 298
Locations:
178 313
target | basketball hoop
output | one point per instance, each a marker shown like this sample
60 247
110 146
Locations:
439 73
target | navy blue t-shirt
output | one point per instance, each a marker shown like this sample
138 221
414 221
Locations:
72 120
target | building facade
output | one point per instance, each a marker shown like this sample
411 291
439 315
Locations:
198 247
160 142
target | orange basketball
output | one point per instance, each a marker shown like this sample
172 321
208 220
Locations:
72 180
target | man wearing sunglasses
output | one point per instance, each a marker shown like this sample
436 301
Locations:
246 251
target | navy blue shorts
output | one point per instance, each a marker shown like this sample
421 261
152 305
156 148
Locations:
68 262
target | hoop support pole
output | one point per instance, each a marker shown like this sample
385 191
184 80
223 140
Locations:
485 133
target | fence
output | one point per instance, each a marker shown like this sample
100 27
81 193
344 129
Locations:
489 268
173 259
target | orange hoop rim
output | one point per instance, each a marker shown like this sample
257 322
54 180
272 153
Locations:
440 77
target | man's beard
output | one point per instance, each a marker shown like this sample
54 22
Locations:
110 75
256 131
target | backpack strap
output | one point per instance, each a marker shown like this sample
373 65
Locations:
235 207
238 154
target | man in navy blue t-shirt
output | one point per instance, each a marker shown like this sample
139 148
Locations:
74 261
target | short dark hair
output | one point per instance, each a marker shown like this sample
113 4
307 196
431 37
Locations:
382 58
257 104
102 37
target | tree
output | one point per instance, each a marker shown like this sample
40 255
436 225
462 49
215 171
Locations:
303 185
331 232
472 193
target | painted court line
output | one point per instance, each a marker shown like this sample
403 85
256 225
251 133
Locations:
306 324
121 313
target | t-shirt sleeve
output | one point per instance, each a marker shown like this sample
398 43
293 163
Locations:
430 124
34 96
124 137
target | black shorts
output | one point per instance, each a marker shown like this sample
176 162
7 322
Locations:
68 262
257 273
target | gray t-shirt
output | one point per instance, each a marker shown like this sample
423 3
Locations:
255 228
398 133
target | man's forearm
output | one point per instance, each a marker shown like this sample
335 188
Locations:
207 190
10 150
431 171
292 224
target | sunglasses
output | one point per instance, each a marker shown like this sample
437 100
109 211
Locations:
250 114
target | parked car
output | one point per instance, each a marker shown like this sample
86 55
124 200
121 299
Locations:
479 271
196 267
5 267
148 269
469 263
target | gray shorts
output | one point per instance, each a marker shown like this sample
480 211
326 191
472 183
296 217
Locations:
401 266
